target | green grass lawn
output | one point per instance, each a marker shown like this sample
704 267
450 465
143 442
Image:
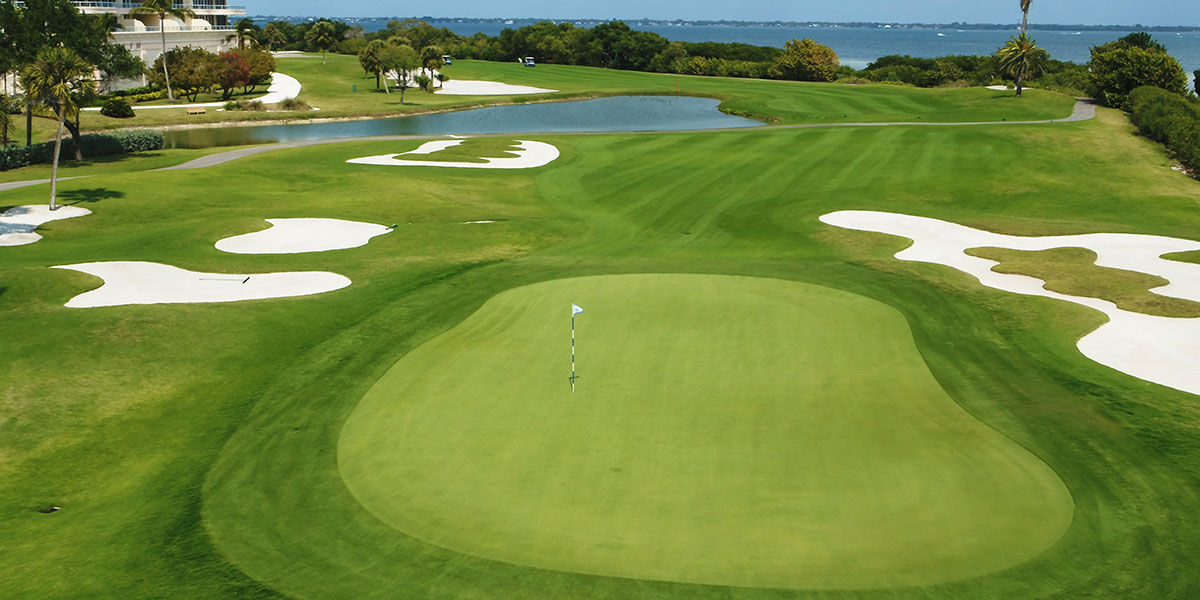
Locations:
726 430
199 451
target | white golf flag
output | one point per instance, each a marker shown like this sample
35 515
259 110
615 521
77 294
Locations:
575 309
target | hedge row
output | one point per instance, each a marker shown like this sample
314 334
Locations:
1169 119
92 144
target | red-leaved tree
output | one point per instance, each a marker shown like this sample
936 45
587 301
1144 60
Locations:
232 72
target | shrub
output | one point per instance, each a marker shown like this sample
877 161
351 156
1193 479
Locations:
245 105
294 104
117 109
805 60
92 144
1169 119
145 89
1136 60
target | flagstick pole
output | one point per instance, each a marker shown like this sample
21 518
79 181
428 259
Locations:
572 351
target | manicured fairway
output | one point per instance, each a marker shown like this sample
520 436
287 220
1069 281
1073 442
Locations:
726 430
208 451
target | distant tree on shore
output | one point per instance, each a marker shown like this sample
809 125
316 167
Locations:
58 75
1120 66
274 36
163 9
806 60
322 36
431 59
1022 59
404 62
368 59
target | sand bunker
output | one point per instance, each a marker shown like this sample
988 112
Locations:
131 282
467 87
17 224
528 155
291 236
1163 350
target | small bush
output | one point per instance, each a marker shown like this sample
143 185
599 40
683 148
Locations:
245 105
136 91
117 109
294 104
146 97
92 144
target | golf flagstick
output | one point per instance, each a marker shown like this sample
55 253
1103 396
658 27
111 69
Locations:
574 311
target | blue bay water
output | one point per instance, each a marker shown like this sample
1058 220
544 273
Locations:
857 46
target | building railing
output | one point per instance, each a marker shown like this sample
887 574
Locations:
156 29
131 5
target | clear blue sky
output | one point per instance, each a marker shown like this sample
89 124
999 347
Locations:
1088 12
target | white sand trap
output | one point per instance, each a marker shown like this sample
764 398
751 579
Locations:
999 88
528 155
17 224
468 87
1163 350
131 282
291 236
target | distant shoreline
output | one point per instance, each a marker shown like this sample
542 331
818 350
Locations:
520 22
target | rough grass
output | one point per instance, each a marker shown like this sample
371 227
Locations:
471 150
1188 257
1073 271
193 448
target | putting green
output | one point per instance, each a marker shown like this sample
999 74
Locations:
726 430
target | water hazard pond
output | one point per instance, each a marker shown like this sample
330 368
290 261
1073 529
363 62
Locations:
621 113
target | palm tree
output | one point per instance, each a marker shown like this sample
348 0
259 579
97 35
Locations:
273 36
245 30
1025 18
431 60
56 75
1022 59
322 36
368 58
162 8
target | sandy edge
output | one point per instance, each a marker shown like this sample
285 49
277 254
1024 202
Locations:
1162 350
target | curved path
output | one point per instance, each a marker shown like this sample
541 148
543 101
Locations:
12 185
283 87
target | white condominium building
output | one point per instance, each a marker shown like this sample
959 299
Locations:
211 28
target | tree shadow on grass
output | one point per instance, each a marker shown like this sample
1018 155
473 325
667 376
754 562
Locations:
73 197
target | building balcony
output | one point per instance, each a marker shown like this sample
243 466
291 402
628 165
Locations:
156 29
92 7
